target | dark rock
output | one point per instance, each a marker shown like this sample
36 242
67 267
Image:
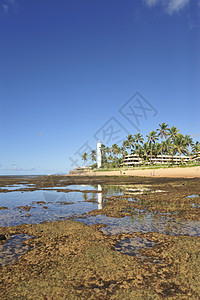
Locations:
2 237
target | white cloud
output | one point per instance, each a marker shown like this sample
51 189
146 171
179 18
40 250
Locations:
176 5
5 8
17 168
151 2
171 6
9 6
11 1
41 133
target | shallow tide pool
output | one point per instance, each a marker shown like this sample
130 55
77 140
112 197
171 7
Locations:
51 204
31 207
145 222
39 206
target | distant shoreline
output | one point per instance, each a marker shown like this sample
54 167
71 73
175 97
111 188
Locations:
187 172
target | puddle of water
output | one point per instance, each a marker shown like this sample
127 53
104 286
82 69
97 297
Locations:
135 191
16 187
13 248
44 206
140 201
132 247
195 205
82 187
117 190
73 187
138 190
193 196
144 222
136 200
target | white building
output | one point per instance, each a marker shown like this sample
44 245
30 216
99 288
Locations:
98 154
134 160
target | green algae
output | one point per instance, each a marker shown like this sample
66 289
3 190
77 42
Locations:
69 260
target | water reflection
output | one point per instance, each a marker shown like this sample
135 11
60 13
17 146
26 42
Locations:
79 188
138 189
135 190
132 247
100 200
45 205
13 248
18 186
144 222
193 196
195 205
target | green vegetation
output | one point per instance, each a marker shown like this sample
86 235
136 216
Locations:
143 167
162 141
84 157
69 260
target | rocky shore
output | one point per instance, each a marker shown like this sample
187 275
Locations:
67 259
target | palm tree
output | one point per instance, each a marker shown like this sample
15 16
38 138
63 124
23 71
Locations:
163 132
188 140
156 149
110 159
196 147
124 148
115 149
125 145
173 132
93 155
163 147
145 151
179 145
108 150
138 140
168 145
103 155
84 157
124 153
152 138
174 143
130 140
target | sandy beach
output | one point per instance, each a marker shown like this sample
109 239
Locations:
191 172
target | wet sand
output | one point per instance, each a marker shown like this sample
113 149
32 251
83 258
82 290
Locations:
70 260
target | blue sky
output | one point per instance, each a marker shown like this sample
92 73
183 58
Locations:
71 70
